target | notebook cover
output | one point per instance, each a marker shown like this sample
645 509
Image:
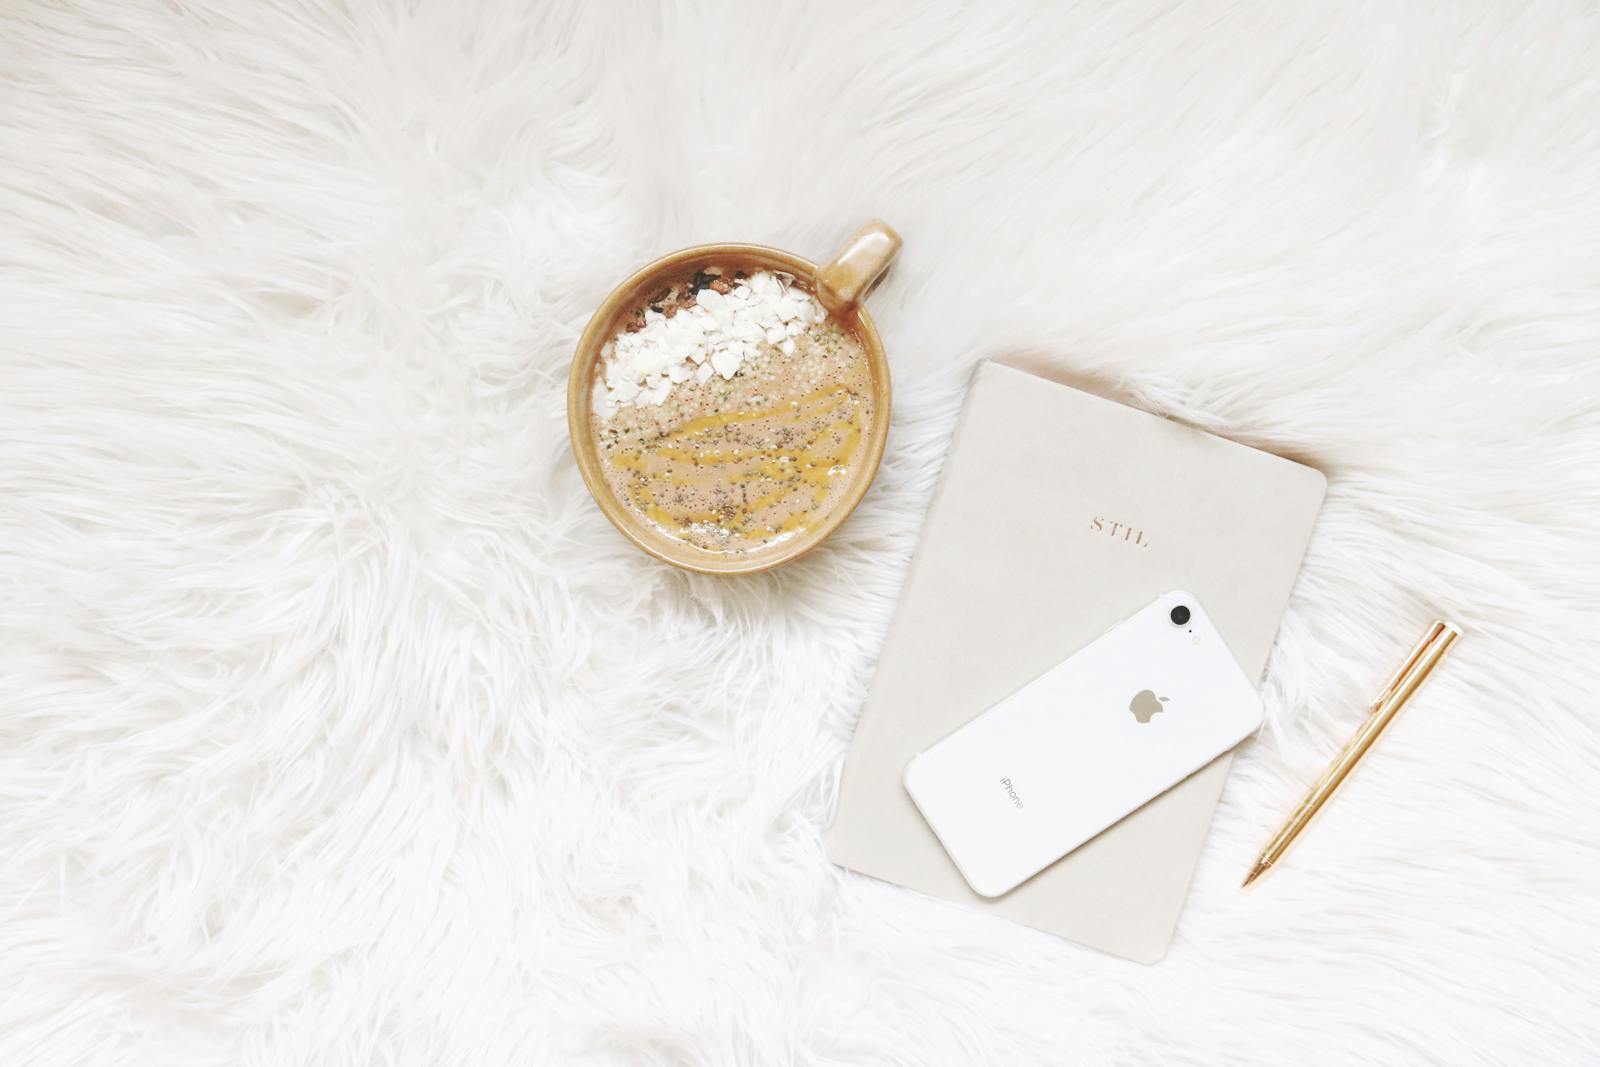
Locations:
1059 513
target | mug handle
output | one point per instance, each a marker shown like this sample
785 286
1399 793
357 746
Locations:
844 281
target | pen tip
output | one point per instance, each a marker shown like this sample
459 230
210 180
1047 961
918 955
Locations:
1260 868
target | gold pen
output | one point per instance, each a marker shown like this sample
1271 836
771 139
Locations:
1407 680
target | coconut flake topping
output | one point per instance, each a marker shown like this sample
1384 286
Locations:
715 335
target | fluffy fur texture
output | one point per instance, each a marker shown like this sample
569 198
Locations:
339 727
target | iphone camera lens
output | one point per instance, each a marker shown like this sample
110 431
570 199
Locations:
1180 615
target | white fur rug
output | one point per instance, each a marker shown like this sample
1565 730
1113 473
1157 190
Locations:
339 727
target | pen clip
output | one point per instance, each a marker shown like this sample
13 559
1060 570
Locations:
1435 632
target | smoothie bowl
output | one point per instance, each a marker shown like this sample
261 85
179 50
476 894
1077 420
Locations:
728 404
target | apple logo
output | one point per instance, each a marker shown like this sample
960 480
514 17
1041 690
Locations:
1145 705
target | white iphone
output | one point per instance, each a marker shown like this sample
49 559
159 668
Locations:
1121 721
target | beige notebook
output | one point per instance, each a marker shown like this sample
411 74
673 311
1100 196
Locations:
1059 513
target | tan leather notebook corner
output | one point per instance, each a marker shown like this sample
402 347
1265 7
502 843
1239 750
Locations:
1059 513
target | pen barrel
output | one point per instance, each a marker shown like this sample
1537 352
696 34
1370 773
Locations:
1406 680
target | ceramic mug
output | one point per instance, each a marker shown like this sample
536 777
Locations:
840 285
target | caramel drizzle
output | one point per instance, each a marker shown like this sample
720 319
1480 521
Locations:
808 465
